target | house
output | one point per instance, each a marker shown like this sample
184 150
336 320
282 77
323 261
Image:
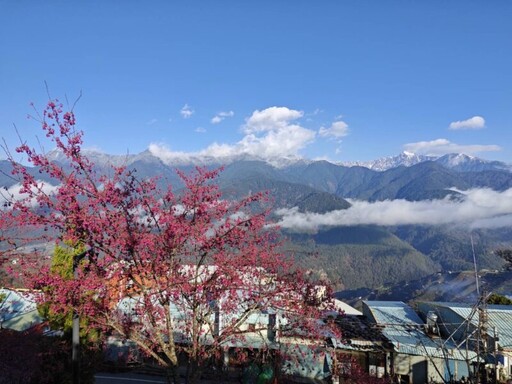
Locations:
483 328
250 319
303 354
257 322
362 343
418 356
357 351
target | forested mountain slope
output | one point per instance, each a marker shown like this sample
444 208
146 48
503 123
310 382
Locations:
352 256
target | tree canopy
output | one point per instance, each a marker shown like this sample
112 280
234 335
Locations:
174 272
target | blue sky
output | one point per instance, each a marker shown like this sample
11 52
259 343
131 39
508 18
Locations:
342 80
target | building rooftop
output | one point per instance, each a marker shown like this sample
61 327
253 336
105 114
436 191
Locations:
405 329
18 311
499 316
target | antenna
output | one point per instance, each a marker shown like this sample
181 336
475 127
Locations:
474 263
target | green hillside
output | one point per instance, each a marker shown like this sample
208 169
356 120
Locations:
451 247
440 286
355 257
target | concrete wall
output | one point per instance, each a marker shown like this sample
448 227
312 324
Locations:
421 369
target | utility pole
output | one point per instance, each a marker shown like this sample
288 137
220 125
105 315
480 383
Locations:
483 336
495 348
482 317
75 339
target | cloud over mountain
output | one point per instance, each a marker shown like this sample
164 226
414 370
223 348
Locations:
279 132
269 133
13 193
479 208
441 147
271 119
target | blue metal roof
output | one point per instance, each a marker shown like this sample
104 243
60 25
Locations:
499 316
18 310
404 328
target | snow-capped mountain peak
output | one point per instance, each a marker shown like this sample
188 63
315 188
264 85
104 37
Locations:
467 163
405 159
456 161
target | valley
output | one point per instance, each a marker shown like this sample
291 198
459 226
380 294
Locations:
359 257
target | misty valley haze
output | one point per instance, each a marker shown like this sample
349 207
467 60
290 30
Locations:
425 208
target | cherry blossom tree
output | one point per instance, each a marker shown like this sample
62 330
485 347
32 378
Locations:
178 273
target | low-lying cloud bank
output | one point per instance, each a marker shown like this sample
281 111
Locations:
480 208
14 193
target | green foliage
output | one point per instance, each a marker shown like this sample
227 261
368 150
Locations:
62 264
499 299
506 255
497 180
426 180
62 260
451 248
356 257
284 194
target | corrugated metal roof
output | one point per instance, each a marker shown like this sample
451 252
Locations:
347 310
19 310
500 316
17 302
390 312
404 328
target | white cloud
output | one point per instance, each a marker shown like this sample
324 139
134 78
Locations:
337 130
200 130
475 122
316 112
13 193
287 141
216 119
441 147
269 133
221 116
186 111
479 208
271 119
272 132
167 155
152 121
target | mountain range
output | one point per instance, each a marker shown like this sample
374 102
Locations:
359 255
456 161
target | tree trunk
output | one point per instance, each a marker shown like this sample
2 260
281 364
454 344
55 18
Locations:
194 371
172 374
